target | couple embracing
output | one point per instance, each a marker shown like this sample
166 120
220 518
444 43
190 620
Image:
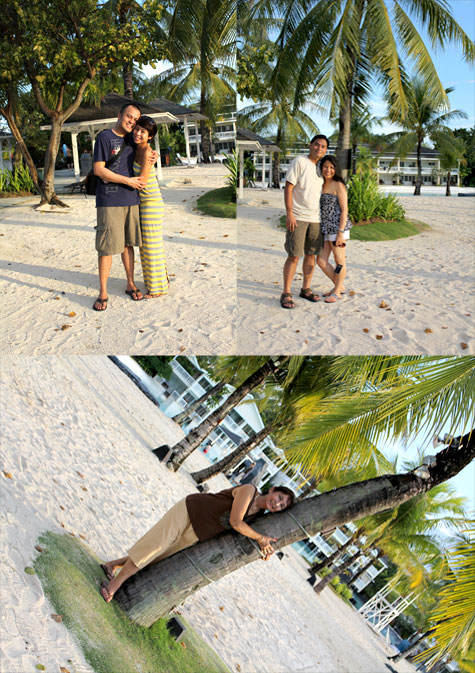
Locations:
317 222
123 161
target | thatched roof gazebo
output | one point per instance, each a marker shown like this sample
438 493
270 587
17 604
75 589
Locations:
92 120
251 142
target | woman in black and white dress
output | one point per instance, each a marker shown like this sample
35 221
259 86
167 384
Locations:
335 226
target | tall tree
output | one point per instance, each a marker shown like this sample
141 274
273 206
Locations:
60 47
155 590
197 435
202 48
346 46
452 153
424 119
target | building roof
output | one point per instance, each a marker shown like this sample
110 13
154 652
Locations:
249 140
105 115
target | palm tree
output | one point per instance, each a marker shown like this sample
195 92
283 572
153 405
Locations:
381 390
406 533
451 151
345 46
201 46
155 590
454 616
424 118
196 436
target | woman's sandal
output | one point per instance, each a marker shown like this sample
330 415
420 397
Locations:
105 593
308 294
286 300
328 300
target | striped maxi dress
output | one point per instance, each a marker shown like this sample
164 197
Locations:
152 255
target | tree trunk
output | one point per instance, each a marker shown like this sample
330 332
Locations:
128 80
229 461
276 162
158 588
417 190
337 570
366 566
205 140
197 435
343 149
447 188
353 159
317 567
179 418
50 160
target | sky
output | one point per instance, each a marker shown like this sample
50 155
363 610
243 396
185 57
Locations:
452 70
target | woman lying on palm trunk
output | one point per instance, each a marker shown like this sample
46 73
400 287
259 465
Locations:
196 518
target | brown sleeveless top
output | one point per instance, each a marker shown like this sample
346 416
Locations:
209 512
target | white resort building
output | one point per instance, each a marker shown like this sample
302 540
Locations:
223 136
390 169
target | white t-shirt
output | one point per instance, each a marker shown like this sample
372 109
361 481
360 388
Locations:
307 183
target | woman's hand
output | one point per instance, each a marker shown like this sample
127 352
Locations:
340 241
266 548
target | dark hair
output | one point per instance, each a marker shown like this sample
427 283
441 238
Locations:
126 105
334 162
320 137
286 491
148 124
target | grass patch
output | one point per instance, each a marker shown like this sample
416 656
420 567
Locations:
111 643
218 203
386 231
379 230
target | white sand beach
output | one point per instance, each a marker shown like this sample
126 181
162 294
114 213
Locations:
425 282
49 279
76 453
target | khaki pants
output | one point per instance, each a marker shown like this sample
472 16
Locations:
171 534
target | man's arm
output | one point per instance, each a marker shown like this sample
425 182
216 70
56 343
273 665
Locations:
291 222
109 176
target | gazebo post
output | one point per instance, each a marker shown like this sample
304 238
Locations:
187 139
1 154
159 161
263 186
241 174
77 170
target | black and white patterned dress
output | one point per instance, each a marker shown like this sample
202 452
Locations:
330 213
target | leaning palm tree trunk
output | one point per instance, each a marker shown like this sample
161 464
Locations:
197 435
179 418
229 461
318 588
157 589
317 567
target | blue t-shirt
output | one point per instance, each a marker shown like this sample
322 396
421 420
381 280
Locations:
110 194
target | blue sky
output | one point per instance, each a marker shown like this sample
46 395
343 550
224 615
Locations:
452 70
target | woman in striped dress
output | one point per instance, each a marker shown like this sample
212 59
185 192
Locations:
152 255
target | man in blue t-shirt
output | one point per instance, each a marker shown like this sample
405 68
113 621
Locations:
117 203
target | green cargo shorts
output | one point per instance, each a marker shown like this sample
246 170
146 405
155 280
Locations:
117 227
306 239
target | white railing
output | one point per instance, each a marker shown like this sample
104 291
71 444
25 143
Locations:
182 373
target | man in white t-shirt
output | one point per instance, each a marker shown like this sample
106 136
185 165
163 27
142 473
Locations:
303 185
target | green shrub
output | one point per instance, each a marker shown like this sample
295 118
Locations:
367 202
232 164
18 181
